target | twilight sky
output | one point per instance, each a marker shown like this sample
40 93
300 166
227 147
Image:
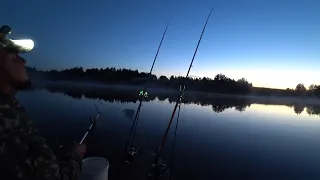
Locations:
272 43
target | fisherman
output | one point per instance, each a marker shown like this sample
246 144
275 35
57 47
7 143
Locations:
23 153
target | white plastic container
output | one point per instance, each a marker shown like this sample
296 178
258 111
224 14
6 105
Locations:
94 168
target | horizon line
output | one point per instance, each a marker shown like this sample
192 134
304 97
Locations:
158 75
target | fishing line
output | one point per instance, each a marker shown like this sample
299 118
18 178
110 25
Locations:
158 169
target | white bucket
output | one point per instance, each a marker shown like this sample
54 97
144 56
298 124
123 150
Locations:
94 168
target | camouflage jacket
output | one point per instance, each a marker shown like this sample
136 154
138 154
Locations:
24 154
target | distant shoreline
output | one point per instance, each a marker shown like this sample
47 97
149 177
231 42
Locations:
189 94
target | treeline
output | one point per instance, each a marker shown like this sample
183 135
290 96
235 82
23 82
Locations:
220 84
300 90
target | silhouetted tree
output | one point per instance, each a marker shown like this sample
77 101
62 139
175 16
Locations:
300 88
312 87
163 78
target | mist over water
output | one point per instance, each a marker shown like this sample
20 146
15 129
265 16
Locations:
219 137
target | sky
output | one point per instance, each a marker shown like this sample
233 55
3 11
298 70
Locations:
271 43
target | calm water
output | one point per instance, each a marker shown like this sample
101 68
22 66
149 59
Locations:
262 142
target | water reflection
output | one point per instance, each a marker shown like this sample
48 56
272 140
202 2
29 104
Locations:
309 109
129 113
312 110
264 142
219 103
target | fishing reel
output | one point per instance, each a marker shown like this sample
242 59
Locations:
143 93
182 88
130 153
157 171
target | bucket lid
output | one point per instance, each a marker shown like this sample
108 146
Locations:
94 165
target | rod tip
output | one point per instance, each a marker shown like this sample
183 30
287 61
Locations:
214 7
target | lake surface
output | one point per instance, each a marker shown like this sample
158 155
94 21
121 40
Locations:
213 141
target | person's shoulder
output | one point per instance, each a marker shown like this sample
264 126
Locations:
10 119
7 111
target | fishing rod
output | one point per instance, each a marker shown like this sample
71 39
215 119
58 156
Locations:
93 122
158 168
143 94
174 142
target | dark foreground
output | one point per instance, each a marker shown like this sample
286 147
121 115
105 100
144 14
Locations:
217 141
